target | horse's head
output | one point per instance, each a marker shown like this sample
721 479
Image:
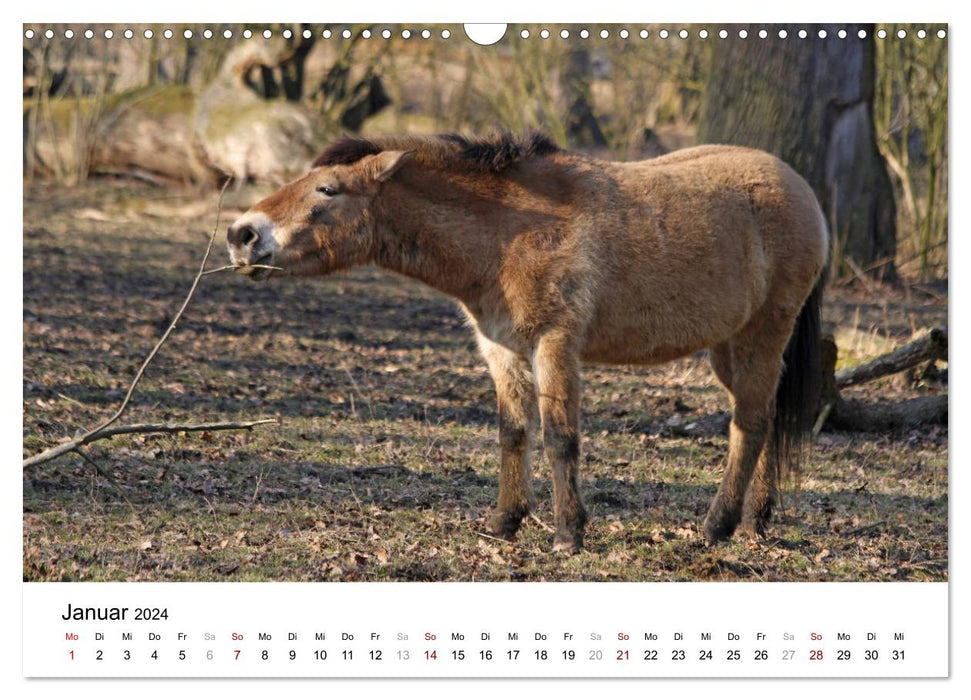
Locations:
316 224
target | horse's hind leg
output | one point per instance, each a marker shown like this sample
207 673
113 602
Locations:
762 492
516 397
749 365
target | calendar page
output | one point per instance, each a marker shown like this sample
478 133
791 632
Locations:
565 350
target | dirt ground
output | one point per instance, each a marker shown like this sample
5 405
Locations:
383 465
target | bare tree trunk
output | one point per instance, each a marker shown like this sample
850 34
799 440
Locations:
810 102
582 127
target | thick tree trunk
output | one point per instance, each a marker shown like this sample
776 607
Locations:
582 127
810 102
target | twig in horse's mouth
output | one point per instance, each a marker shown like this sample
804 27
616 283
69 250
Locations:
240 268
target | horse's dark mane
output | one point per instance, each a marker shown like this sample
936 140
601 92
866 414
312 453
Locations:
490 154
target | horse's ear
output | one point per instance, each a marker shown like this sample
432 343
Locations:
387 163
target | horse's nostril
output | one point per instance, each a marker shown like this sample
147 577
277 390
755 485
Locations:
249 236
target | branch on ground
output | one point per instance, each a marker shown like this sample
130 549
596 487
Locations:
105 430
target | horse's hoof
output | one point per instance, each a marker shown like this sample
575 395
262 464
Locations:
504 525
754 528
719 531
568 544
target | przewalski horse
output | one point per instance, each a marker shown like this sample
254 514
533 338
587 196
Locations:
558 259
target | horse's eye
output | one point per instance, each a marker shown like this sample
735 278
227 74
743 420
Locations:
327 190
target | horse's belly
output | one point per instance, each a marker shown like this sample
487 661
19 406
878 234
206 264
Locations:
632 335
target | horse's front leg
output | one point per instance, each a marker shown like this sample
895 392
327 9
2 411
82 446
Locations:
516 398
556 364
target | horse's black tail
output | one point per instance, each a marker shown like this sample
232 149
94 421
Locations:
797 397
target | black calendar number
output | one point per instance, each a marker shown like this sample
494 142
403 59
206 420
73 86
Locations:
375 654
486 655
704 655
265 655
871 654
650 654
127 655
569 655
761 654
181 654
677 655
293 654
898 655
733 655
151 613
843 655
320 654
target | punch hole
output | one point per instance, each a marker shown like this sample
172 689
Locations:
861 33
29 33
663 33
446 33
624 33
763 34
881 33
941 34
783 33
703 34
841 33
803 33
821 34
742 34
425 34
544 34
386 34
604 34
49 34
683 34
584 34
89 34
723 34
228 34
366 34
346 34
524 34
287 34
644 34
406 34
109 33
168 34
901 33
129 34
326 34
207 34
921 34
486 34
306 34
565 34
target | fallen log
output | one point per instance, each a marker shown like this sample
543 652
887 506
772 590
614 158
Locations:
838 413
931 346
